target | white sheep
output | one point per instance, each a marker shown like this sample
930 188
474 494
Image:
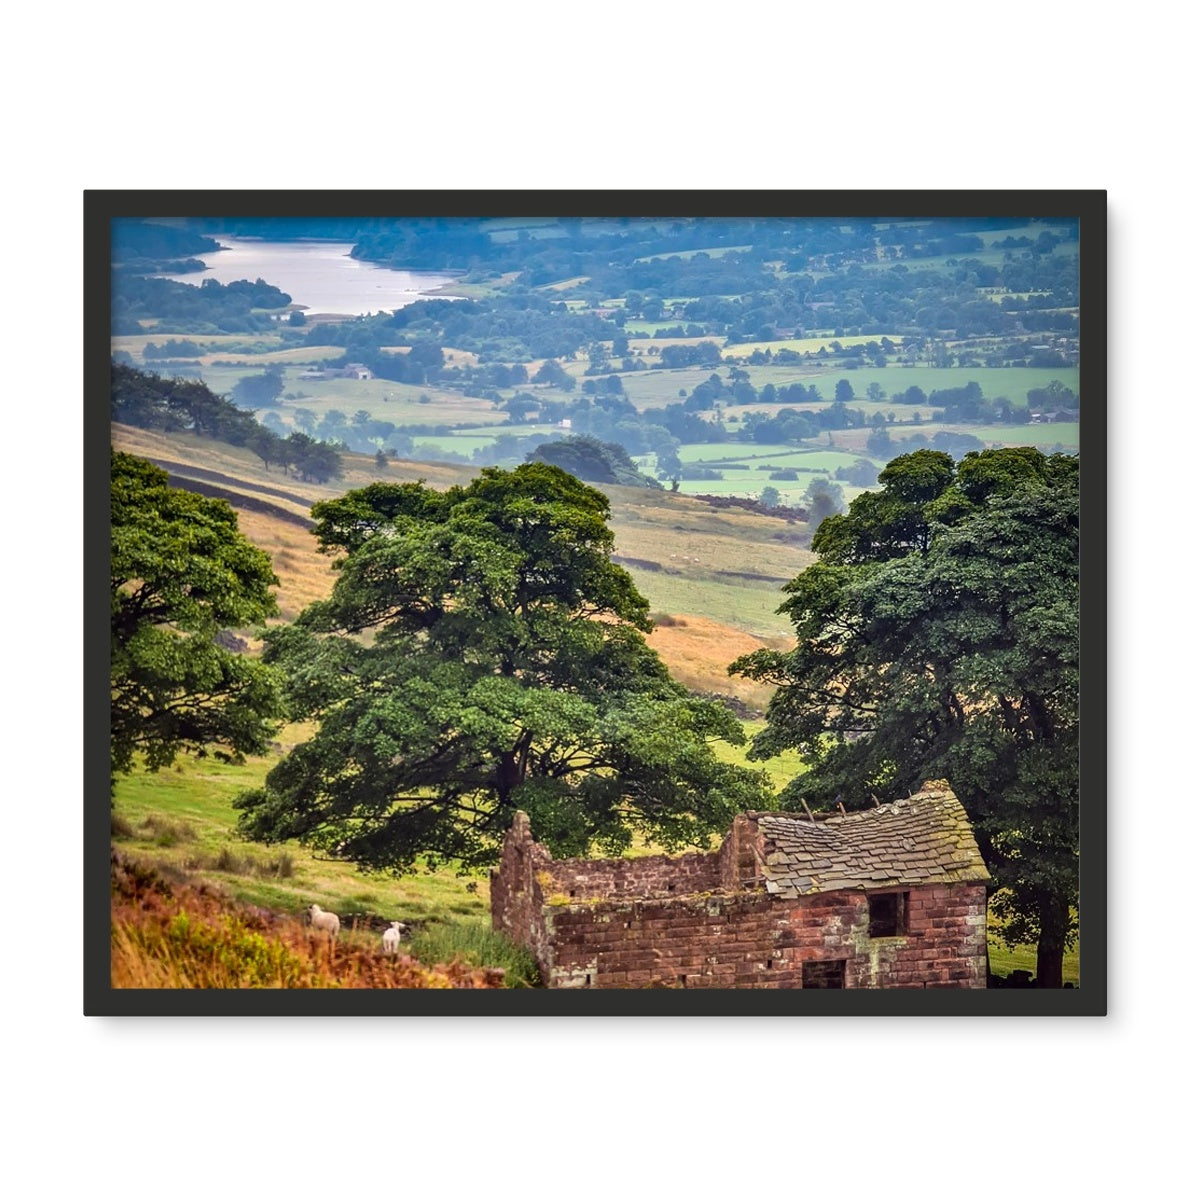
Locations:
326 922
391 937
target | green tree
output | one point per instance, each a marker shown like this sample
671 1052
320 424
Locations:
770 497
892 521
311 459
305 420
822 498
937 637
879 442
592 460
180 573
505 669
551 372
266 444
259 391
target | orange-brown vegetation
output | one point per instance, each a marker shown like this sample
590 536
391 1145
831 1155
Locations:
698 652
190 936
305 574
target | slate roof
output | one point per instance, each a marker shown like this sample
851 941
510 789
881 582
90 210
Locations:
923 839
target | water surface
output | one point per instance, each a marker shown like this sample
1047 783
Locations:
318 275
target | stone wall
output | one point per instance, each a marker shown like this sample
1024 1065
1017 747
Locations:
614 878
704 920
753 939
518 897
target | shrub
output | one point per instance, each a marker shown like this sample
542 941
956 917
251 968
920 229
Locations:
282 866
167 833
475 943
666 619
231 861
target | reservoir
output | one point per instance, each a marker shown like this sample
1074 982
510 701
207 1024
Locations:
320 276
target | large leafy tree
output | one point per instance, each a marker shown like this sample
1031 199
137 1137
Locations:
481 654
181 572
937 637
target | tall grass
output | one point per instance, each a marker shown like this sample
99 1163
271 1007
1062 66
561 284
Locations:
178 936
474 943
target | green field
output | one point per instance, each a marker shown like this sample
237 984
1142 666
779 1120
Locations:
744 604
1003 961
805 345
385 400
781 770
654 388
748 480
776 456
1012 382
647 329
183 818
711 251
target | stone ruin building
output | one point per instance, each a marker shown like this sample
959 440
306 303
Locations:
891 897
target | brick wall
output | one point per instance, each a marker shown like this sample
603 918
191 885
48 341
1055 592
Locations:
658 874
740 856
518 898
703 920
753 939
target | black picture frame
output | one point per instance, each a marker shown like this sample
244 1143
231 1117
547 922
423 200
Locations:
1088 207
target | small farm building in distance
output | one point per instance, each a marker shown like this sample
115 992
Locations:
891 897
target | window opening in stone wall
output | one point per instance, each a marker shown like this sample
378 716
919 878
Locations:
825 973
887 914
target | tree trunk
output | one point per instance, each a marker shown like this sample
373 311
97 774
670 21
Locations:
512 768
508 777
1052 942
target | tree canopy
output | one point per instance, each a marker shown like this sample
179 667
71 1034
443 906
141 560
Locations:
592 460
937 637
481 654
181 572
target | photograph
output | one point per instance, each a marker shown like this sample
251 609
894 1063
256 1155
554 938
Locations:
595 603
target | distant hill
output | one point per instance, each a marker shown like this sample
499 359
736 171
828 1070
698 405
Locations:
145 243
714 574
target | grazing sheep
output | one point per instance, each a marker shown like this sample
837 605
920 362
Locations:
326 922
391 937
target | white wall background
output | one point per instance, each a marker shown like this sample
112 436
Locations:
755 96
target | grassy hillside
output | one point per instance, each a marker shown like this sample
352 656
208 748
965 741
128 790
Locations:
713 579
726 566
191 935
181 823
